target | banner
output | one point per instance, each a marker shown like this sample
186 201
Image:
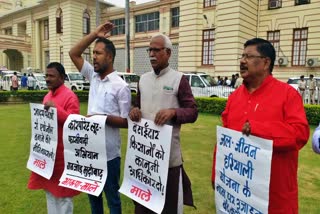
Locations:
44 140
85 155
147 163
243 167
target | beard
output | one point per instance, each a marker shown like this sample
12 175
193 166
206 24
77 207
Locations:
101 69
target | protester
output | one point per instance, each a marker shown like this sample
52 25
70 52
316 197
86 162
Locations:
312 88
164 96
302 86
31 82
59 199
109 95
238 81
24 81
268 108
14 81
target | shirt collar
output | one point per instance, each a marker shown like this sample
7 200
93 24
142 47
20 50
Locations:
57 91
106 78
162 72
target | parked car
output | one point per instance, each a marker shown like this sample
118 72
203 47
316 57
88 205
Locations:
132 79
202 85
40 81
76 82
6 84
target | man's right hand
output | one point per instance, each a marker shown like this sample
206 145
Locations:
135 114
102 31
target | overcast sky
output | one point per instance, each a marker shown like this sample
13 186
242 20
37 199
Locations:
123 2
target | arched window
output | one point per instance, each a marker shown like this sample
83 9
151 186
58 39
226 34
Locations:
59 21
86 22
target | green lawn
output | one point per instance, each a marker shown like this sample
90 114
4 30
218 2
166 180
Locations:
197 145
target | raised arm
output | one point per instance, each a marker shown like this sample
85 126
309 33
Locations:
77 50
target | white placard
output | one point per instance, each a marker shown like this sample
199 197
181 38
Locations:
147 163
242 172
44 140
85 155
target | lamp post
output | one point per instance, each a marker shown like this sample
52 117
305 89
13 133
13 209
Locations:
127 30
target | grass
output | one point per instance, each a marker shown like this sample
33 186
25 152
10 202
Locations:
197 144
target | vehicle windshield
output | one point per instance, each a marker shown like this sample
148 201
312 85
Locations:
40 78
207 79
132 78
76 76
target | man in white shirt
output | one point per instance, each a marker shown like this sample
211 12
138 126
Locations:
109 95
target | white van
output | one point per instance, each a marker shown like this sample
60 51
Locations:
202 85
6 84
132 79
40 81
76 82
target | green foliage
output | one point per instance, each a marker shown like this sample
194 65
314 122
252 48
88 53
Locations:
313 114
4 96
213 105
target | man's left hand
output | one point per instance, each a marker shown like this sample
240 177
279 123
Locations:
246 129
164 115
49 104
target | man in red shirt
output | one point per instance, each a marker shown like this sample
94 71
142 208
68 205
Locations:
265 107
59 199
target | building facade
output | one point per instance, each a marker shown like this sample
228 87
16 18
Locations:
207 35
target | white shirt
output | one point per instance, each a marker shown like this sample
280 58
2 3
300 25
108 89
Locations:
110 96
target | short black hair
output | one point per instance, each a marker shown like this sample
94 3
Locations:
59 67
265 48
109 46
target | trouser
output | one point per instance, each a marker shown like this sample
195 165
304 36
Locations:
110 189
59 205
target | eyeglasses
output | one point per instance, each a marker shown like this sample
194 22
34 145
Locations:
155 50
246 56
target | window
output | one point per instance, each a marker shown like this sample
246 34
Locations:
209 3
86 55
119 26
207 47
273 4
8 31
86 22
300 38
46 58
147 22
175 13
59 21
46 29
274 38
61 55
299 2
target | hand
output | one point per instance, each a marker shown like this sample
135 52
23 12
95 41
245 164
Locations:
102 31
135 114
246 129
49 104
164 115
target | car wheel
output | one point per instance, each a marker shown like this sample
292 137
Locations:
37 88
73 88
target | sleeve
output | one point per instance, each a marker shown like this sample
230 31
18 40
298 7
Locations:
316 140
124 101
188 111
138 98
87 70
71 106
290 134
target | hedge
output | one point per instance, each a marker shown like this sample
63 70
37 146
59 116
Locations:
212 105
